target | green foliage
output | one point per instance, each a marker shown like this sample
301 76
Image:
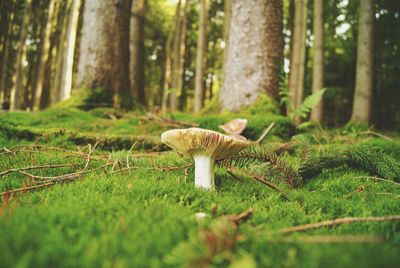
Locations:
362 157
264 105
305 108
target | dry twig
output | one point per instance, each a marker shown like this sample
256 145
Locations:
348 220
329 239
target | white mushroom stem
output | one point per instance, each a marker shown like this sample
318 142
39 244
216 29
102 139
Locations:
204 172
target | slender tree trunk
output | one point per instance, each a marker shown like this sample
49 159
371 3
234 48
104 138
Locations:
137 52
175 59
169 64
68 51
6 53
318 57
180 83
297 63
57 23
16 95
364 69
104 53
44 54
201 58
249 64
274 46
227 22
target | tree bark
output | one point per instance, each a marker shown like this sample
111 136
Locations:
137 52
364 68
274 46
6 53
169 60
103 66
180 82
318 58
44 55
199 89
68 51
253 53
175 59
227 22
297 62
16 95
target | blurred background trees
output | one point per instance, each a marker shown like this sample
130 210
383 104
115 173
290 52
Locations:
177 55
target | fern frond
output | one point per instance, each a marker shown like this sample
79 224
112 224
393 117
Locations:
309 103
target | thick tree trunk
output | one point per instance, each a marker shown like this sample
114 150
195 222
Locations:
318 57
104 53
364 69
137 52
17 91
199 89
68 51
44 55
251 65
297 62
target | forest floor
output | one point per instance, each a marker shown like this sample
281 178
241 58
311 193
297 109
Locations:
98 189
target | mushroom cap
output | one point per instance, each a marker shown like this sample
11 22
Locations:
235 126
198 141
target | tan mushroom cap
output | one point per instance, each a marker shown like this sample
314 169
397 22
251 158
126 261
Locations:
196 141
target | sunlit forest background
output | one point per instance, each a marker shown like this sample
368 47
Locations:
183 56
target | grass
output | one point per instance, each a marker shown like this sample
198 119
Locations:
146 218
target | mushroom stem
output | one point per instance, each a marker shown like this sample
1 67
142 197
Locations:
204 172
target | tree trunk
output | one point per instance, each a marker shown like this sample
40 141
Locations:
137 52
103 66
227 22
364 69
175 59
274 46
6 53
297 62
68 51
44 54
17 91
199 90
250 61
318 58
180 82
169 60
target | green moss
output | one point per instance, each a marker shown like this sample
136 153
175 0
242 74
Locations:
262 106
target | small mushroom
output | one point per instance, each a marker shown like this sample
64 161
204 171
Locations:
235 126
204 146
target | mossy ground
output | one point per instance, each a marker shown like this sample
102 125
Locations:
145 217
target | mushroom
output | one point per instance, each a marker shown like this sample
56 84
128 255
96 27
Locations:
204 146
235 126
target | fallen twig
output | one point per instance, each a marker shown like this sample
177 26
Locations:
377 179
338 221
266 131
25 189
369 132
16 170
329 239
260 179
389 194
